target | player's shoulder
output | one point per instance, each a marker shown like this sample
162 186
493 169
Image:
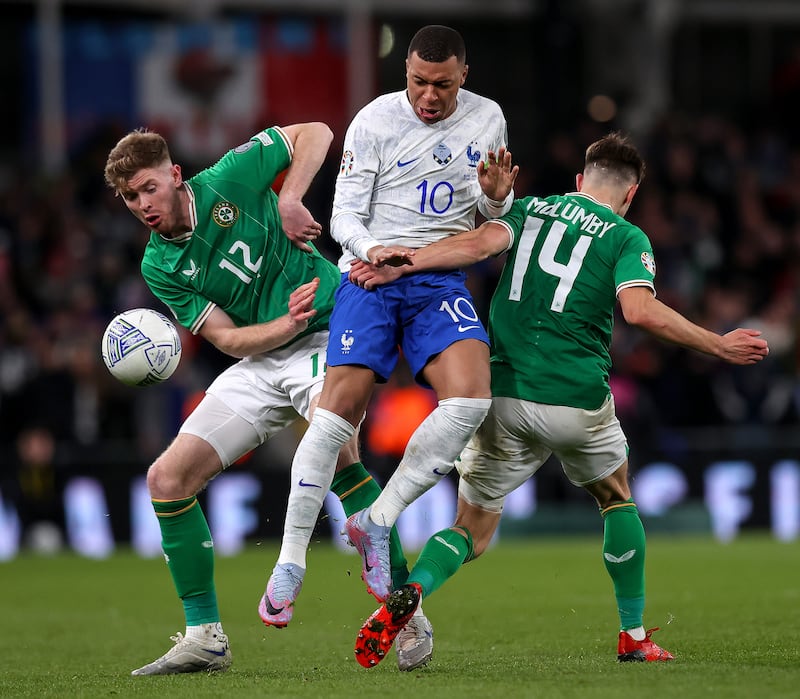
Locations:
473 100
385 106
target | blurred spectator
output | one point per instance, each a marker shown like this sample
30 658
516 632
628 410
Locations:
37 495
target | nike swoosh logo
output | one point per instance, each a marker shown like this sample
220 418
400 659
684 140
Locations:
270 609
367 566
624 557
219 653
400 163
464 328
309 485
438 472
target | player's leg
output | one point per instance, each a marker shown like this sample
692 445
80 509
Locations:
494 463
446 347
460 375
441 557
357 490
317 455
624 552
209 440
593 452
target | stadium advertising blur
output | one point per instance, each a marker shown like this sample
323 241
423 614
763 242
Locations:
719 497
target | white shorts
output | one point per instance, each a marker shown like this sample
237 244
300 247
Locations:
518 436
259 396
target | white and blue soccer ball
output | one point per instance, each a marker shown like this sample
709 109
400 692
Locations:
141 347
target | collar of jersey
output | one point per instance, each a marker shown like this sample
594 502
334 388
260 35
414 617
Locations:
589 196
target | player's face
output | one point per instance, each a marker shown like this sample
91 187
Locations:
433 87
153 196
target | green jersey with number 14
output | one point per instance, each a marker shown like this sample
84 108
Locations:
237 256
552 313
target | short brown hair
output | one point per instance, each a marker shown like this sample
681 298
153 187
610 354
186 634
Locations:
436 43
138 150
615 155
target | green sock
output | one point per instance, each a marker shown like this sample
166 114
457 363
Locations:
189 550
624 555
357 490
440 558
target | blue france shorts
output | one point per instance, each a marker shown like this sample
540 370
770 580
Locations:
421 313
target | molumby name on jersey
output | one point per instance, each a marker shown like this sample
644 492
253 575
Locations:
569 211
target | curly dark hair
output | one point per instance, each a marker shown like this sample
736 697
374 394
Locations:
436 43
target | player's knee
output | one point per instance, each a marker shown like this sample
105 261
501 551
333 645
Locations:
466 413
166 482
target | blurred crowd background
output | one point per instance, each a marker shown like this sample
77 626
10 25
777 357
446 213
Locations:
710 91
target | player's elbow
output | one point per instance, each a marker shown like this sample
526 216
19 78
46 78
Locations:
323 131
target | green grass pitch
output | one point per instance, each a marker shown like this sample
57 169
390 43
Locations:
532 618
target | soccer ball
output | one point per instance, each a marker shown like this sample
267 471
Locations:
141 347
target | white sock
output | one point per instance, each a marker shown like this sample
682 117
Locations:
204 631
430 455
637 634
313 467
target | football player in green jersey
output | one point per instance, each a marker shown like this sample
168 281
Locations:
570 259
235 263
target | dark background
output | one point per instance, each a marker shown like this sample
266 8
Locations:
710 91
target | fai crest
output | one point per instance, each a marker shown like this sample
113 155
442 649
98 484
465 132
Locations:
225 214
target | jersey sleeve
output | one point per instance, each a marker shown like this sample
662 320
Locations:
257 162
636 265
189 308
354 187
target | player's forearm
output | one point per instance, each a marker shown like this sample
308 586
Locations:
463 249
670 326
255 339
348 230
311 143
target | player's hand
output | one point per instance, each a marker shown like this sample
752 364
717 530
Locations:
496 175
301 304
744 346
369 276
298 223
394 256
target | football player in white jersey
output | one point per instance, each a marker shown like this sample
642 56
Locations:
412 172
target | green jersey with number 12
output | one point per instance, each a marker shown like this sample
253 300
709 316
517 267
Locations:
552 313
237 256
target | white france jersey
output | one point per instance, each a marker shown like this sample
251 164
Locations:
404 182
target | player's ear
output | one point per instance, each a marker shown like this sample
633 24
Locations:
177 177
578 181
631 193
464 75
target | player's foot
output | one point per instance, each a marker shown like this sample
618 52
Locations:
379 631
372 543
630 650
277 603
210 654
415 642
